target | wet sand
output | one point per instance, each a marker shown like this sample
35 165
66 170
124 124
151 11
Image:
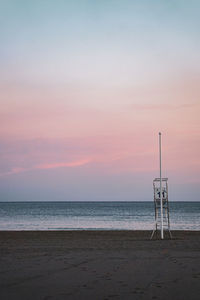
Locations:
99 265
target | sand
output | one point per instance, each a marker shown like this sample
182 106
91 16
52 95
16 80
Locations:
99 265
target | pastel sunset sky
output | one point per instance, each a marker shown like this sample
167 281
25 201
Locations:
85 87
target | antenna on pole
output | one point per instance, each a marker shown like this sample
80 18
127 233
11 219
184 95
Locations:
161 202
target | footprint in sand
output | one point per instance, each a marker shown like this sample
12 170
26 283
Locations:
197 275
66 294
123 284
138 290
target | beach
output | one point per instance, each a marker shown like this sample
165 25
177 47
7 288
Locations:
99 265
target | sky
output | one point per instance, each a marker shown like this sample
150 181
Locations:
85 88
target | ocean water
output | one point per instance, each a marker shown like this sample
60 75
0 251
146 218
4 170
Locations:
94 215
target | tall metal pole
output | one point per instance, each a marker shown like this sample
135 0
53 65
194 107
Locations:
161 202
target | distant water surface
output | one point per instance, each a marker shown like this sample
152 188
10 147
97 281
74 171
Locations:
94 215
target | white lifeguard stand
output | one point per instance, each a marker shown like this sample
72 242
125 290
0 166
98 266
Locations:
161 205
165 207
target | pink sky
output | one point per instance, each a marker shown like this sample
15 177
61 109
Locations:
109 131
91 100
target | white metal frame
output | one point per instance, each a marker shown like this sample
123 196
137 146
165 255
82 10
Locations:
161 223
161 200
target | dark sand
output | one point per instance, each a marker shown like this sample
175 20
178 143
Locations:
99 265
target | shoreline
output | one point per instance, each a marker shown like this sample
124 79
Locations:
100 231
123 235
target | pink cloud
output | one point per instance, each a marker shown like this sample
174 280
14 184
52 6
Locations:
13 171
112 154
72 164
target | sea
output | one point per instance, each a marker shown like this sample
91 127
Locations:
94 215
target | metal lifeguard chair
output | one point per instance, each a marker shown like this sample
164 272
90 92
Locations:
165 223
161 205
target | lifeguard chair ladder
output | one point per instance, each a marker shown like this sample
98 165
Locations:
165 204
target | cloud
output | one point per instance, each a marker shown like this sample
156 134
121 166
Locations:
13 171
71 164
110 153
